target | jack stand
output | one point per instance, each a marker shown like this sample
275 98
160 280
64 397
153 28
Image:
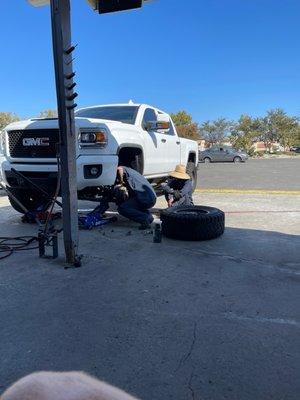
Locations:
48 240
44 239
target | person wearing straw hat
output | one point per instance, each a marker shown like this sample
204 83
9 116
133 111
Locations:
178 189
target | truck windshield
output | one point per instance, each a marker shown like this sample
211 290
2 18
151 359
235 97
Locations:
125 114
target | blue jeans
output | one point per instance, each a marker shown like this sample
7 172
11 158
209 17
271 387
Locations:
135 211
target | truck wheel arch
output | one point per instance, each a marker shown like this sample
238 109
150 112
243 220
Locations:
192 157
191 169
131 156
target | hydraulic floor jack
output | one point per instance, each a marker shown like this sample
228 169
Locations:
96 217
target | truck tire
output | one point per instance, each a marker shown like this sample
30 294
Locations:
31 200
191 170
192 222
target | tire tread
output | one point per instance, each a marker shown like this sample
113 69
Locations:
190 226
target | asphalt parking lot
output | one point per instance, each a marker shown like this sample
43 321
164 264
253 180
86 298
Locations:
263 174
176 320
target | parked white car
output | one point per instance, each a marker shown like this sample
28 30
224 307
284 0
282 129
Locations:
135 135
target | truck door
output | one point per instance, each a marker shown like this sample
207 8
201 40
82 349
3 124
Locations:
153 146
170 148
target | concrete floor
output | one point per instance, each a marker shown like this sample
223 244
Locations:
176 320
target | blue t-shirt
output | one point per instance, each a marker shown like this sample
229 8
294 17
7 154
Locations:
141 188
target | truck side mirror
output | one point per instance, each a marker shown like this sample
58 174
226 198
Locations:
150 126
163 122
157 126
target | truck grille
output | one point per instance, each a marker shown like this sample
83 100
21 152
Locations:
33 143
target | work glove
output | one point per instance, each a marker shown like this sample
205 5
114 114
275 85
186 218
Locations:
166 188
121 194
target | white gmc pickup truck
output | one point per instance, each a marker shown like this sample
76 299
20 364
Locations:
135 135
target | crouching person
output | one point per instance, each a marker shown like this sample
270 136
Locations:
178 189
140 197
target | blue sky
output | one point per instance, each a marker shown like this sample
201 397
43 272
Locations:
210 57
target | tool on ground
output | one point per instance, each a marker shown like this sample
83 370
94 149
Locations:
157 231
47 234
49 240
96 217
31 217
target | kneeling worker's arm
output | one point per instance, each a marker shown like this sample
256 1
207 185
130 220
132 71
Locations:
167 188
187 188
120 175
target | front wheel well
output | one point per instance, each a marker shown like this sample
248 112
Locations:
132 157
192 158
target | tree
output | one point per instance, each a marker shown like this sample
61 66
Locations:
215 132
277 126
182 118
185 126
288 127
7 118
290 137
245 132
296 141
50 113
190 131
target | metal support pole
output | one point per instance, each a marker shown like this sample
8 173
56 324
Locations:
62 50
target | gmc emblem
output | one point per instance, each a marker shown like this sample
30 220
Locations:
44 141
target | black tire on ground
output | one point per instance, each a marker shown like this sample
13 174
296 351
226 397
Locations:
191 170
207 160
192 222
237 159
31 200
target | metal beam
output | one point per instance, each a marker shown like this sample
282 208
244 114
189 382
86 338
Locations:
62 51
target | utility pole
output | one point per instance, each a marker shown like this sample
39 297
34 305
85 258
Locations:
62 51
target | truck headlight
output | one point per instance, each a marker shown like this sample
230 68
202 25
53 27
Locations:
95 138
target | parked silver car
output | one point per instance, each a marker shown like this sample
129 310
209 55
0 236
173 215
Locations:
222 154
